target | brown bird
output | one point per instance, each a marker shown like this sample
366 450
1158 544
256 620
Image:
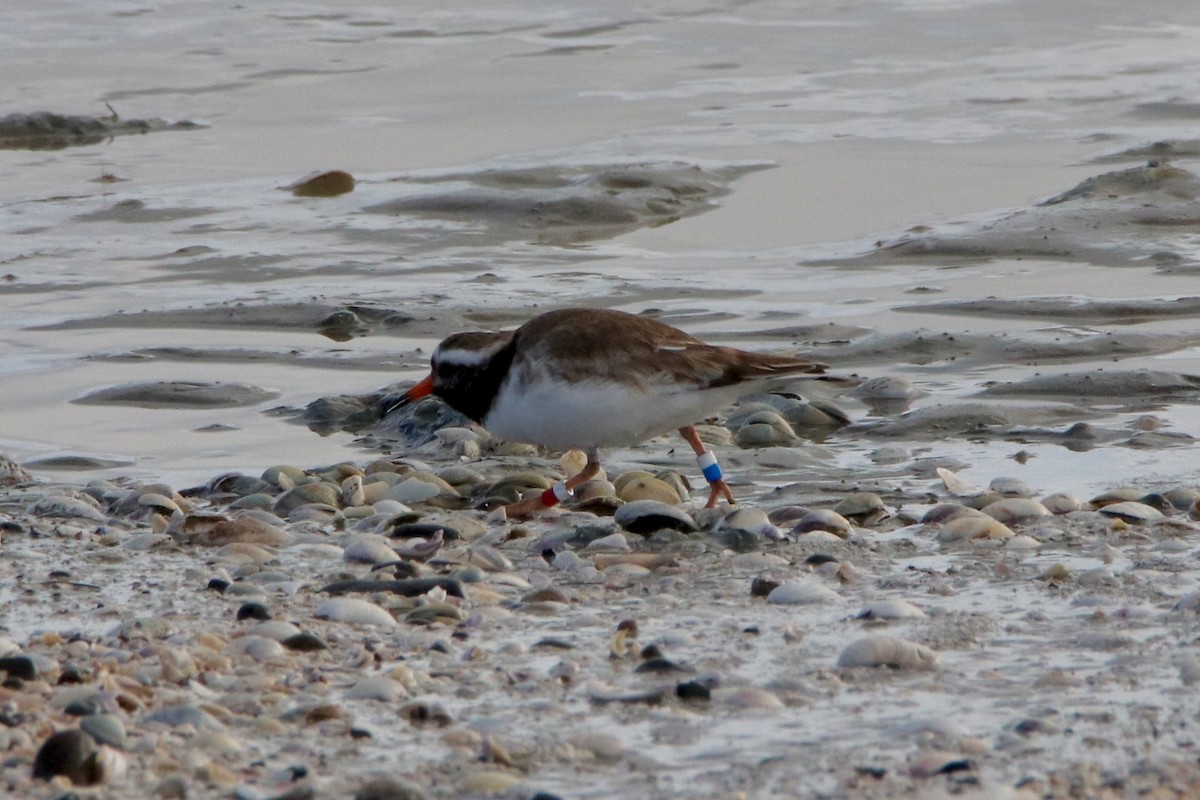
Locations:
590 378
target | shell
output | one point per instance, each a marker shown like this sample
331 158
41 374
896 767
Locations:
888 651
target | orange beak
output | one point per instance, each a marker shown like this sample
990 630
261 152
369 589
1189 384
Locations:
422 389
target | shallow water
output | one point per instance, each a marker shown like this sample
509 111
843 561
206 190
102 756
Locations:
732 166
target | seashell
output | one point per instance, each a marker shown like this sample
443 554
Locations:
1011 487
273 629
887 387
1131 512
69 507
1182 497
247 529
648 516
377 687
749 698
573 462
368 548
764 429
744 518
647 488
593 489
158 502
793 593
823 519
143 628
890 609
1119 495
145 541
887 651
863 507
1060 503
258 648
613 543
603 746
413 490
285 476
490 782
757 562
352 493
944 512
649 561
319 493
1015 509
976 527
960 487
354 611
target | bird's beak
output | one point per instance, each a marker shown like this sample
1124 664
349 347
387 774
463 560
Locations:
422 389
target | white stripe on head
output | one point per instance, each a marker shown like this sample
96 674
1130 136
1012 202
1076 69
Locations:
462 357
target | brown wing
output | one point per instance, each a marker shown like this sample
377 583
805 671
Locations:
583 343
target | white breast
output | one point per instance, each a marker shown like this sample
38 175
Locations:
562 415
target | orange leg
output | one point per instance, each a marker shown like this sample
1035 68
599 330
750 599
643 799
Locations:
718 488
532 503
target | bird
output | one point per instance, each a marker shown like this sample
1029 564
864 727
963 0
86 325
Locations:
588 378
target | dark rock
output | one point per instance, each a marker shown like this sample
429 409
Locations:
410 587
20 667
662 666
424 530
69 753
693 690
253 611
761 587
304 642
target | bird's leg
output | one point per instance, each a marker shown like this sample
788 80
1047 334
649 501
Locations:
708 465
533 503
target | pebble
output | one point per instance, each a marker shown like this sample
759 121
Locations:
177 716
369 548
104 728
71 754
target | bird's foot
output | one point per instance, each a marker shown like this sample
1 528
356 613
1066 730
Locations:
526 507
717 490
